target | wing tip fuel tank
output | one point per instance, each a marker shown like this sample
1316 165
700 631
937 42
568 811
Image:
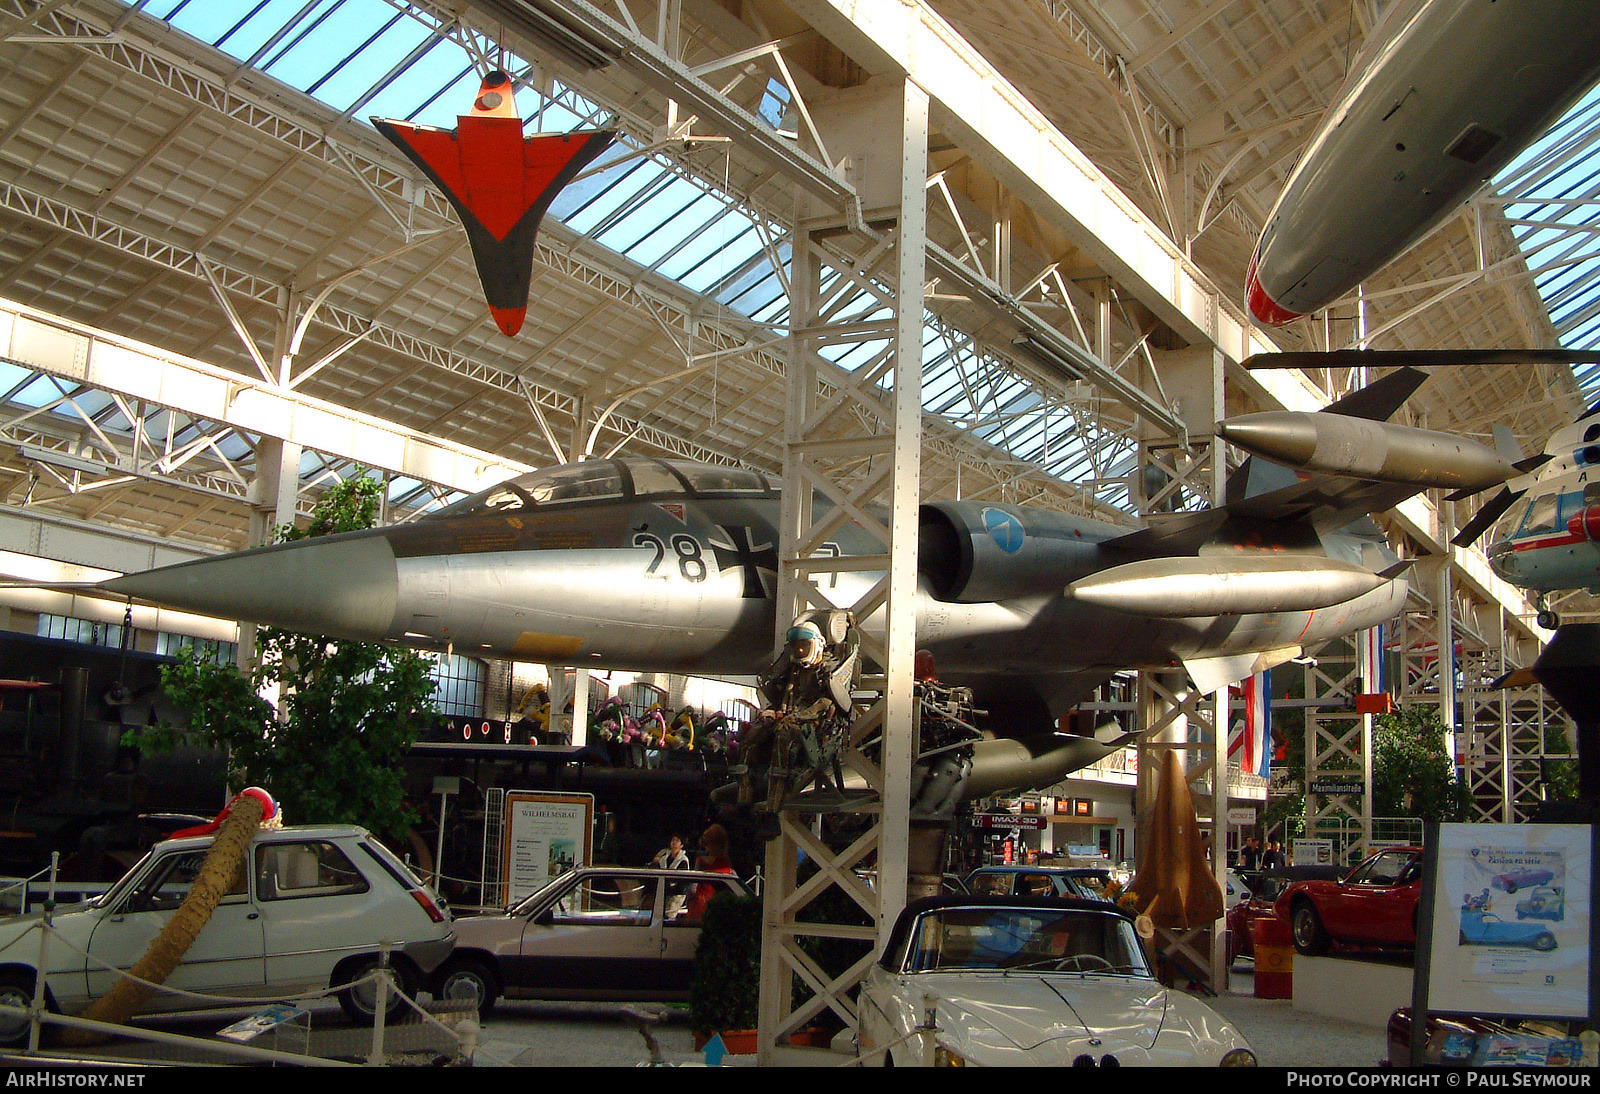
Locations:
1233 584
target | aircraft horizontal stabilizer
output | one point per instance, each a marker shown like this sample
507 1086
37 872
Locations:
1215 673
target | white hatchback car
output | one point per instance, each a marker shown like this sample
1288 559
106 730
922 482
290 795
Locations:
312 910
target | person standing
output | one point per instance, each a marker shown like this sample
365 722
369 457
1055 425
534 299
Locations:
673 857
1273 857
713 859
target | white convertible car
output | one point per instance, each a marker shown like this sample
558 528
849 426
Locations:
1004 981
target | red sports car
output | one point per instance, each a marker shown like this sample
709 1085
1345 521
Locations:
1375 905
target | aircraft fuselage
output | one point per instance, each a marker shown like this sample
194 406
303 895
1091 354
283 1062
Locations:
684 581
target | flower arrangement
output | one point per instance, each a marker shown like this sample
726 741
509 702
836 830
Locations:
1122 896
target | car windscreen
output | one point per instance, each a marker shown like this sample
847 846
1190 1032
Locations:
1025 938
115 892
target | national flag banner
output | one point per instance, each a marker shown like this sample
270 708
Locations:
1372 661
1253 743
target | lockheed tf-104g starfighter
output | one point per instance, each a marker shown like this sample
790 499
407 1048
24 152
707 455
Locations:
657 565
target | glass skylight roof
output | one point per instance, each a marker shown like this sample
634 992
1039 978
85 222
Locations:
374 57
1558 232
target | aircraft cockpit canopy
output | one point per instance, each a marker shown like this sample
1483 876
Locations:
1544 513
613 480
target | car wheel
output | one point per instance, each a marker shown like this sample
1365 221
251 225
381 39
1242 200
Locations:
1545 943
361 1001
468 980
1310 937
16 990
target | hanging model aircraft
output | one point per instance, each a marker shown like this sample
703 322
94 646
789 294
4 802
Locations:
1443 96
653 565
1550 542
500 183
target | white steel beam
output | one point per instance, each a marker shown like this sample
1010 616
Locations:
83 354
974 105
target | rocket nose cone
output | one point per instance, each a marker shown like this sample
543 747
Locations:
344 586
1285 437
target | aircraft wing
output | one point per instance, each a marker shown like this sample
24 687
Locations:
1320 503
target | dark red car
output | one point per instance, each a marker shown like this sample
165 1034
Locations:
1374 905
1459 1040
1265 888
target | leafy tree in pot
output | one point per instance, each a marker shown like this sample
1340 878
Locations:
724 993
1412 773
348 711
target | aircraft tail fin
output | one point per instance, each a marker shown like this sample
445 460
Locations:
1505 443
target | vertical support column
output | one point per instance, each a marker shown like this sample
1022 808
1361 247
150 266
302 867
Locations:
580 705
852 458
899 737
1174 472
1336 751
1444 604
274 496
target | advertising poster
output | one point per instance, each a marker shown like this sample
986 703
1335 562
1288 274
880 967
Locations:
546 834
1311 852
1511 920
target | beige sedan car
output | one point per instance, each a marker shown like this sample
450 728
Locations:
600 932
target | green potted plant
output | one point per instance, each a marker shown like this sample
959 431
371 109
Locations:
724 992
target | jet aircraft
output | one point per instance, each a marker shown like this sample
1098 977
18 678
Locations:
1443 96
656 565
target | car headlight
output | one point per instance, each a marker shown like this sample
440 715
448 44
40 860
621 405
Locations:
1239 1057
944 1057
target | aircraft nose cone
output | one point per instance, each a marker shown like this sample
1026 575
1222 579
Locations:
343 586
1266 310
1501 557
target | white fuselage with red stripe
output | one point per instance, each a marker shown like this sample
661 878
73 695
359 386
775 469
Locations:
1551 541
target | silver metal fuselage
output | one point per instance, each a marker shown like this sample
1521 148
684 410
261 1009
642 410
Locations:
685 585
1446 93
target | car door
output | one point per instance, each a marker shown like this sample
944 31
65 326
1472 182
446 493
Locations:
1377 902
598 937
317 907
226 957
679 938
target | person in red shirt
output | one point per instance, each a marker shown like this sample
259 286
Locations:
714 858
